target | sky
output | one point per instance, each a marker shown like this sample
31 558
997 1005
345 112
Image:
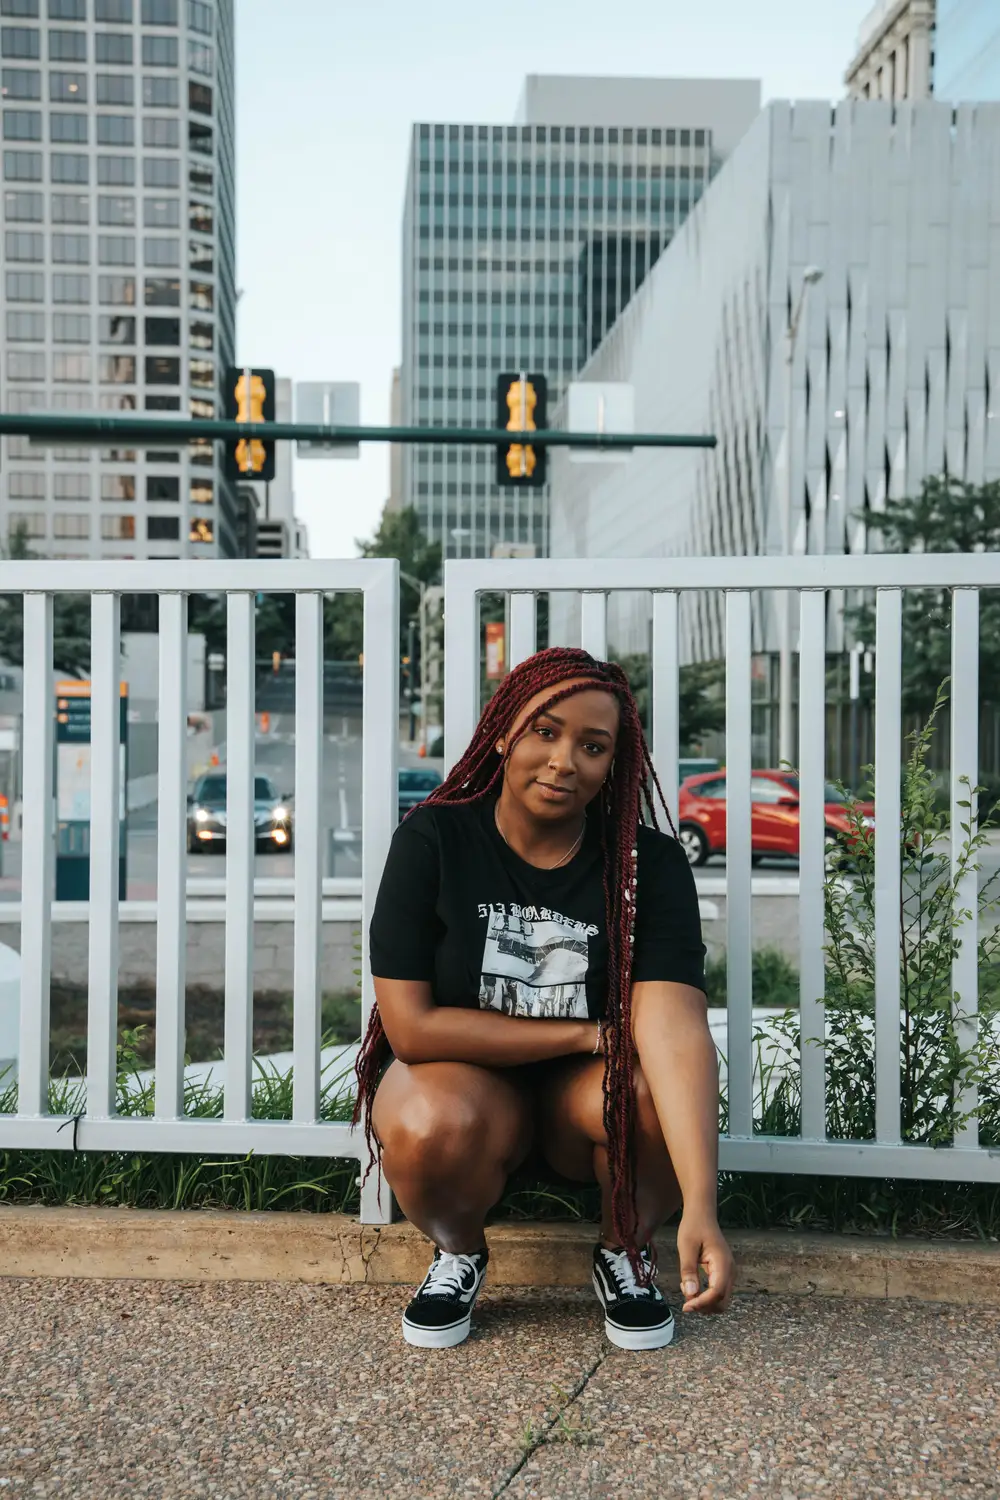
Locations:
327 92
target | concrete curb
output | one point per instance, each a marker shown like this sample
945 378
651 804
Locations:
122 1243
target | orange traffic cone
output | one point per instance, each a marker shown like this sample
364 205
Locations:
422 750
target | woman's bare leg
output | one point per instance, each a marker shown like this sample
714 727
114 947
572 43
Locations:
451 1134
570 1105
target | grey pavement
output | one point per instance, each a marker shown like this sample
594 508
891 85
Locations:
115 1388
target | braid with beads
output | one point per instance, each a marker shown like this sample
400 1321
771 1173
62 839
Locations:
625 800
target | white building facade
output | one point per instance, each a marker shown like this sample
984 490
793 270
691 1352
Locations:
896 374
118 289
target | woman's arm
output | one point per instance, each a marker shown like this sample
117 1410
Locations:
420 1031
677 1053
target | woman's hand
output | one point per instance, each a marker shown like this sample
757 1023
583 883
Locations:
700 1242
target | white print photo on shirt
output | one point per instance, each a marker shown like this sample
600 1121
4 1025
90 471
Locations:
534 962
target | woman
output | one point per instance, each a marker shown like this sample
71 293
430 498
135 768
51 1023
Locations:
539 977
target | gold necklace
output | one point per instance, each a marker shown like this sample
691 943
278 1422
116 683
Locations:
569 852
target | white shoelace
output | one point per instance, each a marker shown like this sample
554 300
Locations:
621 1269
445 1277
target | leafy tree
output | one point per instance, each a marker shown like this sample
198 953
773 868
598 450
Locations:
70 619
946 516
398 535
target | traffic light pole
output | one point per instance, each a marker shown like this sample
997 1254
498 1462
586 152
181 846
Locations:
145 431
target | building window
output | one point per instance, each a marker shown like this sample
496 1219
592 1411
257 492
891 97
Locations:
22 124
70 208
26 486
24 208
201 218
71 486
162 291
117 369
159 12
161 172
22 245
201 296
118 528
162 370
201 257
68 129
200 406
116 171
29 523
200 98
67 46
20 41
71 249
116 328
26 327
21 83
163 528
68 88
159 52
114 47
71 328
201 178
202 530
26 9
163 332
201 336
71 367
115 130
161 132
25 365
71 527
115 291
163 487
22 166
67 10
116 250
163 403
117 486
200 451
25 286
201 59
161 93
202 372
70 286
116 211
202 491
68 167
161 213
113 10
161 252
200 138
199 17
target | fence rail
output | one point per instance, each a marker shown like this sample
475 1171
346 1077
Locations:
98 1128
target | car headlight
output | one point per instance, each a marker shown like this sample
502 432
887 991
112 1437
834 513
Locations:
200 815
280 814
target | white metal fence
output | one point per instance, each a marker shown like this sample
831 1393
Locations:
666 579
33 1127
100 1129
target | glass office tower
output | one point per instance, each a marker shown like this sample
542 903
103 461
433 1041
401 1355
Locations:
118 289
967 51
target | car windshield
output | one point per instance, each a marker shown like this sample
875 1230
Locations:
213 789
418 781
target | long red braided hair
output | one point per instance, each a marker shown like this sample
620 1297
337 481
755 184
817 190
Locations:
625 801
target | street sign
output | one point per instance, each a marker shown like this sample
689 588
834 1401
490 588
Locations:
328 404
73 790
600 406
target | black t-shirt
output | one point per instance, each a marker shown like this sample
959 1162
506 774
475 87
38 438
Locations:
460 909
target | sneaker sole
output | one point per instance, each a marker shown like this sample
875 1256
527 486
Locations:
636 1338
437 1338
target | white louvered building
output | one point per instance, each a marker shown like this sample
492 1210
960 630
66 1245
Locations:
896 373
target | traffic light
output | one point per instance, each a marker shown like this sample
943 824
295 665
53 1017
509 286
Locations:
521 407
249 398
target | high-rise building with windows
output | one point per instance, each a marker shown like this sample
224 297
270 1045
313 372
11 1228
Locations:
118 289
521 245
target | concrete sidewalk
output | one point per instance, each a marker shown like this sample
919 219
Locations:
180 1391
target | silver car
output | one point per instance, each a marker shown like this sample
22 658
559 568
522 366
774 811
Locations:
206 819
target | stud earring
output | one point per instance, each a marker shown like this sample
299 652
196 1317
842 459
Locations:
500 747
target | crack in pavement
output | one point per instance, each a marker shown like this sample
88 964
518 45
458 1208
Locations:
542 1438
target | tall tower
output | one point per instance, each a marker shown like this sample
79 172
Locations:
118 290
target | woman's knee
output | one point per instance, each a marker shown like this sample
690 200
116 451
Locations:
437 1131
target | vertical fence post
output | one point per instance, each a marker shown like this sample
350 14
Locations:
106 793
307 984
812 799
461 662
964 688
664 682
171 857
240 853
738 846
888 774
37 850
522 629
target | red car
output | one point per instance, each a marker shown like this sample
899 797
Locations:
774 815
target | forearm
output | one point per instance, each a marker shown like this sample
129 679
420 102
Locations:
680 1065
452 1034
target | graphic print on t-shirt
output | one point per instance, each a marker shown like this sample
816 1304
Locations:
534 962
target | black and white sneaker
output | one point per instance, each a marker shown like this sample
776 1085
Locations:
440 1314
635 1316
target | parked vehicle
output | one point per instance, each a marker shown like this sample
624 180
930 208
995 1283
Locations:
206 820
415 783
774 816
